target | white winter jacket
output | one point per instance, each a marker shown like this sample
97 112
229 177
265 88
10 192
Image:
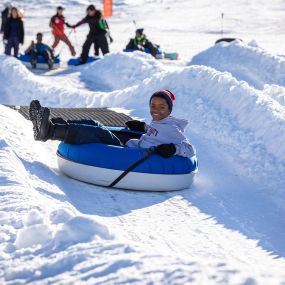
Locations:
168 130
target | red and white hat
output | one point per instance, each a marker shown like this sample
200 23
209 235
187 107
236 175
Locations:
167 95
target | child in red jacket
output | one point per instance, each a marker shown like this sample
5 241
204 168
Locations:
57 23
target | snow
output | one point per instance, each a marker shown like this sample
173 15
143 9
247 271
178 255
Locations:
228 228
244 61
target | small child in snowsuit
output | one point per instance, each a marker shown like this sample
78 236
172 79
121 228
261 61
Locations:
40 49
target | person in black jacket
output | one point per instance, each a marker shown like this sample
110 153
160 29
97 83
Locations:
140 42
96 35
4 16
13 32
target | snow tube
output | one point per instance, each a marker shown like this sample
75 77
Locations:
41 63
101 164
76 61
159 54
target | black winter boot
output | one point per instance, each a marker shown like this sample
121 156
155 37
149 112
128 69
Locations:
40 118
58 131
58 120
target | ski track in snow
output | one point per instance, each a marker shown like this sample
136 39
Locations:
227 229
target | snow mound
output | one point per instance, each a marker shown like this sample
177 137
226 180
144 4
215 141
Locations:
120 70
39 234
20 86
246 62
78 230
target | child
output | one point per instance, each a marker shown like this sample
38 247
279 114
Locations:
57 23
40 49
13 32
164 132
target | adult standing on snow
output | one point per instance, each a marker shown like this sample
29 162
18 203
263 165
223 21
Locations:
13 32
4 15
57 23
104 26
96 34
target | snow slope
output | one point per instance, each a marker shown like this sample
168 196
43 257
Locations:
227 229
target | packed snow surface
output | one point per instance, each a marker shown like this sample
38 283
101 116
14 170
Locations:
227 229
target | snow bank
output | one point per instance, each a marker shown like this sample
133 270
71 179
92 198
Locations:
247 62
20 86
120 70
115 71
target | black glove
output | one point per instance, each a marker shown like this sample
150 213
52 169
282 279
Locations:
70 26
135 125
166 150
111 39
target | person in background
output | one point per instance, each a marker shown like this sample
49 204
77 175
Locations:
40 49
96 34
140 42
4 16
57 23
104 26
13 32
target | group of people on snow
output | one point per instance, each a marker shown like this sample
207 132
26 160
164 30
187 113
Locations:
12 27
165 132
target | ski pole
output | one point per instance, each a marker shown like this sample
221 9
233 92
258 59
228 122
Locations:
222 24
63 45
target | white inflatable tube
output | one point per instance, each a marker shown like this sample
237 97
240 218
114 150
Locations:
132 181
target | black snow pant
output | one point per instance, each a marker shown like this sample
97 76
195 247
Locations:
100 42
152 48
87 131
46 55
148 45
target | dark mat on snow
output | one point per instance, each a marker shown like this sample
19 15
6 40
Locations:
103 115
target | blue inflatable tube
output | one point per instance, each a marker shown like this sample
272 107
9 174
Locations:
76 61
26 59
101 164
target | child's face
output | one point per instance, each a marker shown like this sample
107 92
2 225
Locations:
159 108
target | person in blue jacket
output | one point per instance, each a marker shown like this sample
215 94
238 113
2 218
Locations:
165 132
13 32
40 49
